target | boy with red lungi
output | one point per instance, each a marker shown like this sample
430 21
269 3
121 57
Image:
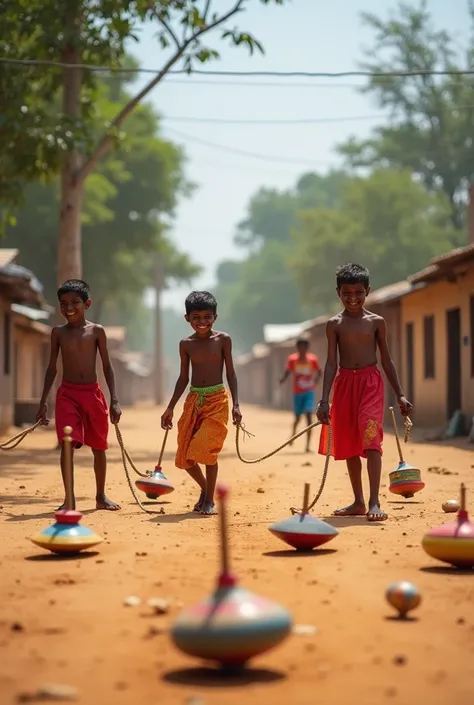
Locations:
357 409
80 402
202 428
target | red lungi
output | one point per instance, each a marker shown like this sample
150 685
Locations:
357 412
84 408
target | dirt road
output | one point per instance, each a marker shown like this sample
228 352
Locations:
64 621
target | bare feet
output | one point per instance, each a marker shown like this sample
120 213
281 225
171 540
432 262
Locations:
198 506
62 507
375 513
356 509
208 508
103 502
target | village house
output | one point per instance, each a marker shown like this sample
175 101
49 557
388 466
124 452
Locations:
23 342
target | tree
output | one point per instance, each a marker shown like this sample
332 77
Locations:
39 142
126 202
431 120
262 288
386 221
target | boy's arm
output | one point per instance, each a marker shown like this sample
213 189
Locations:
231 378
49 376
389 367
183 378
287 371
330 370
115 411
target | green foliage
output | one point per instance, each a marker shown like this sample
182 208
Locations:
386 221
431 120
126 201
36 129
263 289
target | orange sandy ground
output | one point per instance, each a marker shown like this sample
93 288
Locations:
77 631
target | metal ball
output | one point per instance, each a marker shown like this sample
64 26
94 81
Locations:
451 505
68 430
404 596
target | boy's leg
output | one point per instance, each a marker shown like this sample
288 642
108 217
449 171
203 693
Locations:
196 473
374 468
211 479
63 475
295 426
100 469
309 419
357 508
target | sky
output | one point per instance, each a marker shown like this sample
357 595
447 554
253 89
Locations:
302 35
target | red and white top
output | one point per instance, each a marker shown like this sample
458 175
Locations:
304 371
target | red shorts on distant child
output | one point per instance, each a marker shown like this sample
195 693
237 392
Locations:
357 412
84 408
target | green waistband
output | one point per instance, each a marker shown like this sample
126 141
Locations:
204 391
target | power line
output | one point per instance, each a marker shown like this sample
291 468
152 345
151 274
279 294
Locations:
201 72
303 121
245 153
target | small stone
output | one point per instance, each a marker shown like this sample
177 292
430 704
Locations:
17 627
153 630
260 490
141 553
400 660
132 601
460 620
56 691
159 605
22 487
305 629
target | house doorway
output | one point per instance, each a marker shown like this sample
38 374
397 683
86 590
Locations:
453 328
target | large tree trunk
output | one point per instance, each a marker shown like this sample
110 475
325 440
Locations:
69 240
69 264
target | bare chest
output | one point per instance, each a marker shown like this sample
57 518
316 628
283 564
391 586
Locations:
205 352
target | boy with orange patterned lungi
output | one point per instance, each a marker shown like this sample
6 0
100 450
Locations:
356 414
202 428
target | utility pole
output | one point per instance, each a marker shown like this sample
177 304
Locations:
159 285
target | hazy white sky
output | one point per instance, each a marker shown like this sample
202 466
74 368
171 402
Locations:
303 35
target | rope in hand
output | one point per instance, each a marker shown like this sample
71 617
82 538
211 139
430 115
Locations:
293 510
126 459
15 441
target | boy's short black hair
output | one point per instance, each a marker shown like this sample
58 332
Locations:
352 274
200 301
75 286
302 341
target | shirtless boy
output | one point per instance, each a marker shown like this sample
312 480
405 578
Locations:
356 414
202 428
80 402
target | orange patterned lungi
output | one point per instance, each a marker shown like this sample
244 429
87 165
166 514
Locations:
356 414
202 428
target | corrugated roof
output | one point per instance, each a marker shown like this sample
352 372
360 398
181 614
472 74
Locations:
117 333
278 332
34 314
389 292
260 350
7 256
438 266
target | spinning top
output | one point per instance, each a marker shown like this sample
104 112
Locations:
453 542
155 483
303 531
451 505
404 596
405 480
67 536
232 625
